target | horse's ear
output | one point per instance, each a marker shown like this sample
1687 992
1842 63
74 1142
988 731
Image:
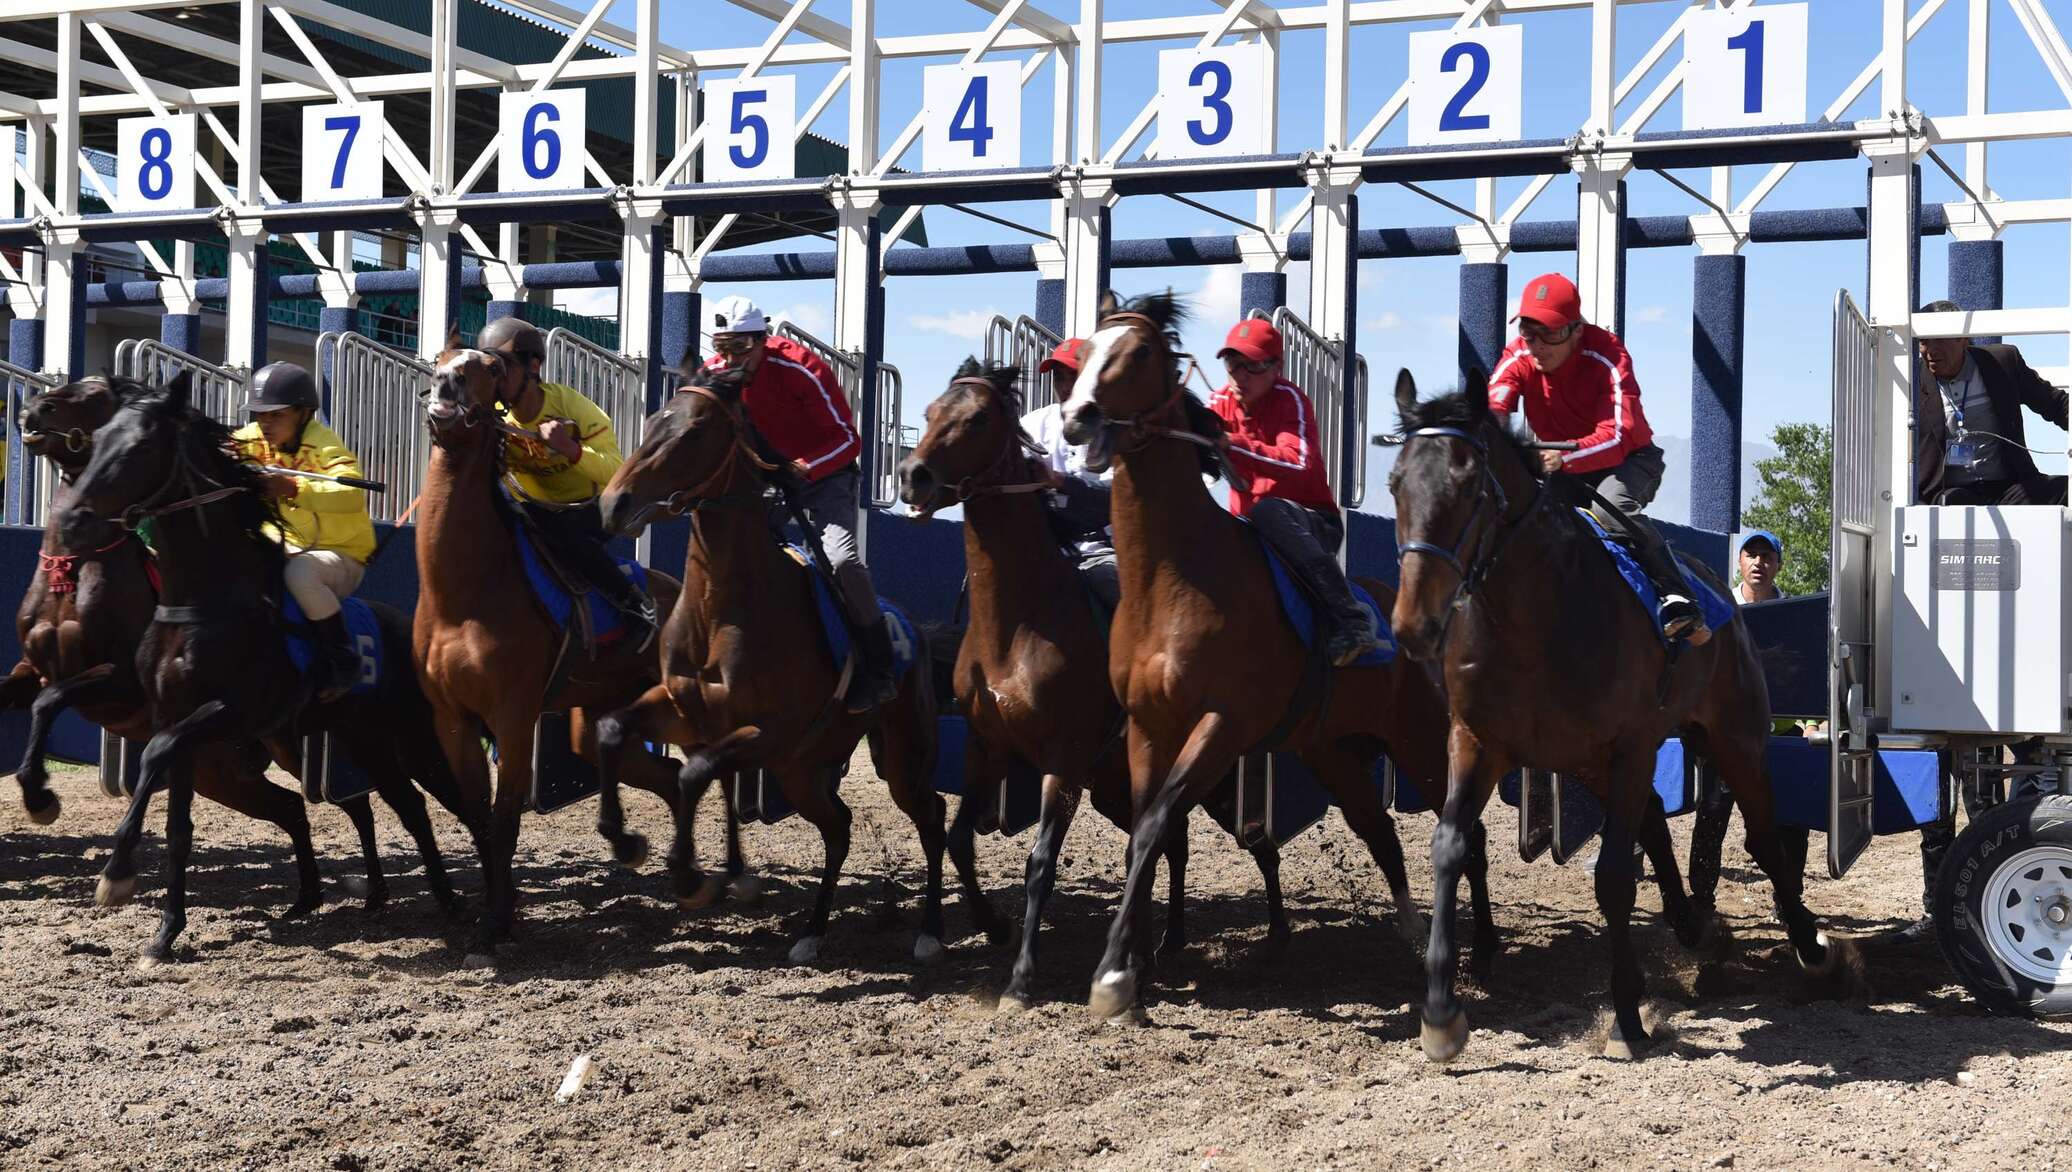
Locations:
178 390
453 334
1406 394
1109 303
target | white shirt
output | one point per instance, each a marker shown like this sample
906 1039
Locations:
1046 425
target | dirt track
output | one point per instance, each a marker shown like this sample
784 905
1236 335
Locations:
349 1042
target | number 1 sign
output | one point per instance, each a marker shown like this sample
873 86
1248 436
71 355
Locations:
1745 67
341 152
1209 102
1467 86
972 116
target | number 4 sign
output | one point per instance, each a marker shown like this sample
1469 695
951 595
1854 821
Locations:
972 116
1467 86
341 152
1745 67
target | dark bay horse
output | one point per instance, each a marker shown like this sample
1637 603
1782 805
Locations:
747 680
486 648
1033 666
1199 655
1551 663
81 620
212 662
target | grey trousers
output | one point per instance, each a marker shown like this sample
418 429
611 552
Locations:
1629 486
1100 575
830 506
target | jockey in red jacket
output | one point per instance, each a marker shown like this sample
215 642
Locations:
801 411
1272 436
1575 381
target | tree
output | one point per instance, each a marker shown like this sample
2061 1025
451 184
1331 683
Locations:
1795 501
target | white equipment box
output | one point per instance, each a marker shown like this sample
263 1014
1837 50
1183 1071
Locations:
1978 619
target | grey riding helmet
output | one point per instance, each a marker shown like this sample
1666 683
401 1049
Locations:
282 385
514 336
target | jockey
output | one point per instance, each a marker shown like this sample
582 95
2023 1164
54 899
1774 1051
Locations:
801 412
561 474
324 526
1576 382
1079 498
1271 433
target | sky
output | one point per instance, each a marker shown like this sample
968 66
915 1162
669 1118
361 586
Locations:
1407 308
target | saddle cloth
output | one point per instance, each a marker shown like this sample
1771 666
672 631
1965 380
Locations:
1716 607
834 629
560 604
1301 612
360 624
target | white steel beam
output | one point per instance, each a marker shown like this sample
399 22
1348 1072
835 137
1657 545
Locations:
912 130
1978 52
640 218
178 36
142 88
1232 15
394 147
244 234
381 32
1034 19
867 92
1337 63
820 28
1973 323
1087 114
2050 44
61 248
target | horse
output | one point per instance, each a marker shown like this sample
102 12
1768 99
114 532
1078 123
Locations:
486 648
747 679
212 665
1550 662
1196 657
1032 668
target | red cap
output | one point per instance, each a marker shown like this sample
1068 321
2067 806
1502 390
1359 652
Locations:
1551 300
1065 357
1254 339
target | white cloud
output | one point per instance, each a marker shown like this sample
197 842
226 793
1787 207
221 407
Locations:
1389 320
810 316
968 324
590 302
1650 314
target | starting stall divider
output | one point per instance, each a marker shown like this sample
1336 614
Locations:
892 443
217 390
1023 344
27 492
371 398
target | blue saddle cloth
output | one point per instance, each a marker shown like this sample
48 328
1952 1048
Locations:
359 623
1717 608
1302 614
605 621
906 639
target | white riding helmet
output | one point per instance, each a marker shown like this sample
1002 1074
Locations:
738 315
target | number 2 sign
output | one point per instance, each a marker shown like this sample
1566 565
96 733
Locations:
1467 86
1745 67
972 116
540 141
1209 102
341 152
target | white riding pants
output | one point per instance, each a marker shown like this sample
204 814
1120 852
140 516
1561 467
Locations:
318 578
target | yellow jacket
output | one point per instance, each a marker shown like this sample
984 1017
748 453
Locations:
545 474
320 515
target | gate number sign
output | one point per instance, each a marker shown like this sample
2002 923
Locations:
1745 67
1467 86
749 128
154 167
341 152
1210 102
972 116
540 141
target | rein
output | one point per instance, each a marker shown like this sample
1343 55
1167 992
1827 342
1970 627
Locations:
1490 544
978 484
697 498
1139 428
183 472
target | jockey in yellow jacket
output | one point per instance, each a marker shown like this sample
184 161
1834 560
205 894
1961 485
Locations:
324 526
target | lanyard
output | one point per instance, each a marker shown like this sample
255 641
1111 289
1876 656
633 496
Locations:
1955 402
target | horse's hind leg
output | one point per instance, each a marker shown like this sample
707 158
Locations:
1060 802
1348 774
1676 906
1746 773
1708 837
652 717
395 788
813 795
179 844
219 778
1483 952
361 811
903 749
1175 940
168 763
1268 857
984 776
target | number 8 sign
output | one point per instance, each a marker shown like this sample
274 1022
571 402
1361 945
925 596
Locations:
1745 66
154 169
1467 86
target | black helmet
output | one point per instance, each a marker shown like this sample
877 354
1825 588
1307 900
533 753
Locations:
282 384
515 336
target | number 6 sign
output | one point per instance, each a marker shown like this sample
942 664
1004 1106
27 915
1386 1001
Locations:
341 152
1208 102
1745 67
1467 86
154 169
540 141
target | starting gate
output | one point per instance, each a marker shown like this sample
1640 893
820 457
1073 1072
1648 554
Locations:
1851 639
370 394
1023 344
892 442
1317 364
217 391
25 504
605 377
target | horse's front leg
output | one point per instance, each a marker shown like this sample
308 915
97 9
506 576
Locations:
96 685
169 762
1471 771
653 717
701 766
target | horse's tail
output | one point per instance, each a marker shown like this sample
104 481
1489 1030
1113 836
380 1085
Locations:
940 643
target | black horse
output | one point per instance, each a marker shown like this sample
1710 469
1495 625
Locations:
214 665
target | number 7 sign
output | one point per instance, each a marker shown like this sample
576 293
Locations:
341 152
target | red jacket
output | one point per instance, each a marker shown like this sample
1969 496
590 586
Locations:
799 408
1275 443
1592 399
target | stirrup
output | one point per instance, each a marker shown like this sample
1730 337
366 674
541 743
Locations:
1689 625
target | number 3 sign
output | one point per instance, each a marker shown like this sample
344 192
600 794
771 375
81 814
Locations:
1467 86
1209 102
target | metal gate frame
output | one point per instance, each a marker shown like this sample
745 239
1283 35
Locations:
27 494
891 443
1023 344
370 394
1851 638
1317 364
218 391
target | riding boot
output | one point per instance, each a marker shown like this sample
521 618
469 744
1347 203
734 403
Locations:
1352 631
875 682
1679 616
338 659
634 605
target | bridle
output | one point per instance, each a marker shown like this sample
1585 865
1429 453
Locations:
1139 429
698 497
184 474
981 484
1489 541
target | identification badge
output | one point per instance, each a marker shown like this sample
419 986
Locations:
1963 452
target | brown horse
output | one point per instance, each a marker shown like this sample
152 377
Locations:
1198 655
747 681
1551 663
485 647
1033 668
81 620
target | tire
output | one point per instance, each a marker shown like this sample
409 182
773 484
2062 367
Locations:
2003 907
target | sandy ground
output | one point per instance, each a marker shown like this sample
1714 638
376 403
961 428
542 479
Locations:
346 1041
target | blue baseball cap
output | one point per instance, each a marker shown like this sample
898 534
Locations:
1762 534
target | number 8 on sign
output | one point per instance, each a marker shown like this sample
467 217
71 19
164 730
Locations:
971 116
154 164
1467 86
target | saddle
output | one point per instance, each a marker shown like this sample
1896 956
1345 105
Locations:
360 624
1716 607
834 623
557 587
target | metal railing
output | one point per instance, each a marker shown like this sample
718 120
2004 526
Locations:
1317 365
371 399
605 377
28 486
1023 343
217 391
1852 596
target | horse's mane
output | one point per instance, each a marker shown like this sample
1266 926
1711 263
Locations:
211 446
1007 382
1167 309
1467 410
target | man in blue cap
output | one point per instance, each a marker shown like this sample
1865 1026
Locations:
1760 557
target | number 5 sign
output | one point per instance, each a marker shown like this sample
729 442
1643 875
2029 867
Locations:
1208 102
749 128
154 169
1745 67
341 152
540 141
1467 86
972 116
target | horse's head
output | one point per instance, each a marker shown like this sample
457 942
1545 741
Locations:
60 422
974 434
1450 503
690 453
464 391
157 454
1130 373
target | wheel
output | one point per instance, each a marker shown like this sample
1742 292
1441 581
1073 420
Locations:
2003 907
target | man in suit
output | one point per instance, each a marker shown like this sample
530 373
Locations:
1969 447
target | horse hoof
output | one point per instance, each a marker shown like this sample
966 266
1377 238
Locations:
150 960
631 852
47 813
806 951
927 949
354 886
710 888
747 885
1842 957
1011 1004
115 892
1620 1048
1411 924
1112 993
1445 1041
477 960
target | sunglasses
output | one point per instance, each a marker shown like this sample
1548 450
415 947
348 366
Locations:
1532 333
735 343
1235 365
